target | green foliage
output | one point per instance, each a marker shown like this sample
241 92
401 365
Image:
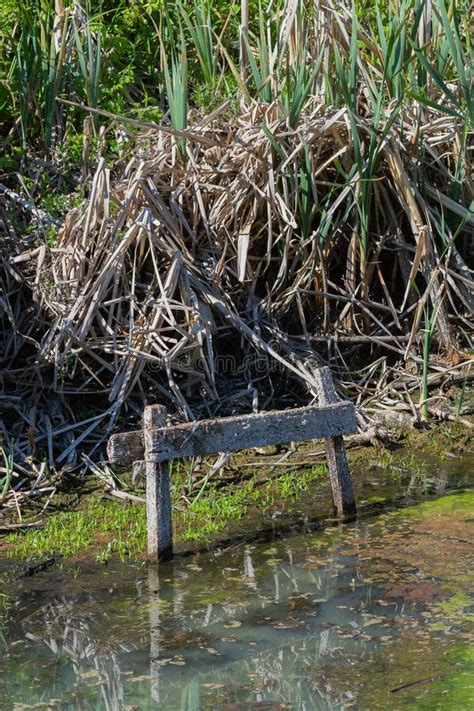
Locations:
90 61
176 82
58 204
38 69
135 54
71 532
6 479
201 33
113 528
453 64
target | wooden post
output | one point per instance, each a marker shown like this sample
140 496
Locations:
339 474
158 495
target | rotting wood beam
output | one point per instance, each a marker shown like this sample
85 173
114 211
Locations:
230 434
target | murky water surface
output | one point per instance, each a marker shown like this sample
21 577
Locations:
371 615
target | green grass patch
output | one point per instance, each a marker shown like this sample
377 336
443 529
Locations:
106 527
109 526
211 514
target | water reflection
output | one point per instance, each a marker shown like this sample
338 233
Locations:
262 646
155 632
266 626
255 633
67 632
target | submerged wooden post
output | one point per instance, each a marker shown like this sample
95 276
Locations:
158 494
339 474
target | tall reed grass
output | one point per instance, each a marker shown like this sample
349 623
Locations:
406 50
324 197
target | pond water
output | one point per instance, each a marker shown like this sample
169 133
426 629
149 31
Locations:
374 614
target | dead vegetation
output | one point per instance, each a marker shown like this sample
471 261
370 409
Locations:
217 277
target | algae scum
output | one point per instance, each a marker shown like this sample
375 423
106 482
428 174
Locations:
371 615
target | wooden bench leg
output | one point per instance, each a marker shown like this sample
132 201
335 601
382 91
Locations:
339 473
158 492
340 476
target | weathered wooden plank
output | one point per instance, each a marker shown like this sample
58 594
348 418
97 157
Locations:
126 447
244 432
158 494
233 433
339 473
158 444
138 471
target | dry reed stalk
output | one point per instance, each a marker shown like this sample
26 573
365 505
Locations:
172 267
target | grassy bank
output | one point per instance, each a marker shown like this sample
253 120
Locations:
245 502
200 211
104 527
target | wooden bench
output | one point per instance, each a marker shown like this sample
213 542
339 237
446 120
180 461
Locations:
157 444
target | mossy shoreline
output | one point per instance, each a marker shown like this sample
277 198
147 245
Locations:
257 503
